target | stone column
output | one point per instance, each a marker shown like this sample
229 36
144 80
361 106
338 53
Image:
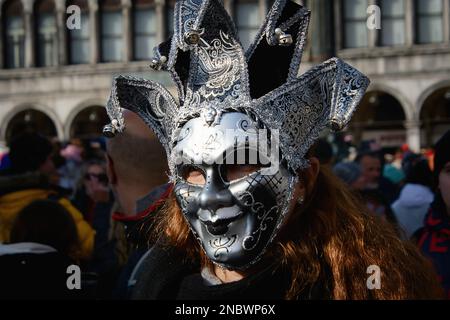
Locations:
160 21
413 135
127 34
29 33
373 35
94 44
321 30
61 31
262 10
338 26
1 42
447 22
409 22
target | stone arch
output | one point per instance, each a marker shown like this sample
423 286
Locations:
434 112
407 105
79 109
31 106
382 117
428 92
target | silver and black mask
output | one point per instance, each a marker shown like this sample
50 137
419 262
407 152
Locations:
222 87
236 206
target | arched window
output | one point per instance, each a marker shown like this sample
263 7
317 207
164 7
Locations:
89 122
380 117
435 116
247 19
430 25
14 34
111 30
30 120
78 38
46 36
145 25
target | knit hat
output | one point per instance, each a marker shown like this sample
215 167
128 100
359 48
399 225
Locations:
28 152
349 172
442 155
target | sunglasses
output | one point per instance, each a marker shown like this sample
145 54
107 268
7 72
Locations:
103 178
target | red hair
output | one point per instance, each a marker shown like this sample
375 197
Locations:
330 241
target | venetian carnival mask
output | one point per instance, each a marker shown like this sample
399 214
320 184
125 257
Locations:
244 121
233 204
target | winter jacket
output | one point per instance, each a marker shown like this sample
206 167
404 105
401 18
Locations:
13 199
434 241
411 207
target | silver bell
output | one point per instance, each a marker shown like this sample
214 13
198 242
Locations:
157 64
192 37
284 39
210 116
109 131
336 125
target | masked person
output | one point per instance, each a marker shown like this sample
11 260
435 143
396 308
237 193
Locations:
434 238
252 214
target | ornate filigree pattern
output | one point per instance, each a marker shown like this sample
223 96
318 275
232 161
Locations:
325 96
303 108
219 70
222 244
210 69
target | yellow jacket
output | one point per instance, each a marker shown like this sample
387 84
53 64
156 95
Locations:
12 203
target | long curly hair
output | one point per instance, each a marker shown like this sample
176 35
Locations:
329 241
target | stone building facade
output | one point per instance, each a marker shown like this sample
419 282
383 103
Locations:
57 79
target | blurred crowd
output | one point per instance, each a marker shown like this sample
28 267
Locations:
91 202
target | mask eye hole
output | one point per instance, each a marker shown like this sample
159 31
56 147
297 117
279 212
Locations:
236 171
193 175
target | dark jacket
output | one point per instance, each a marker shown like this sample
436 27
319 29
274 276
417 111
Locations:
165 275
137 229
434 241
33 271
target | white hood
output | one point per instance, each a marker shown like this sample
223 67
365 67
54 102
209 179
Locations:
25 247
415 195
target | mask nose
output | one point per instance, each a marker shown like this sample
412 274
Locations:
215 193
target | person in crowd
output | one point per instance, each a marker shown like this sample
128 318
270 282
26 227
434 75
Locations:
416 196
234 228
32 176
371 166
434 238
392 172
70 171
350 173
128 158
137 173
94 199
92 195
5 163
34 264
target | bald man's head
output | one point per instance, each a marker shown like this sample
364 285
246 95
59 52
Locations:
138 158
